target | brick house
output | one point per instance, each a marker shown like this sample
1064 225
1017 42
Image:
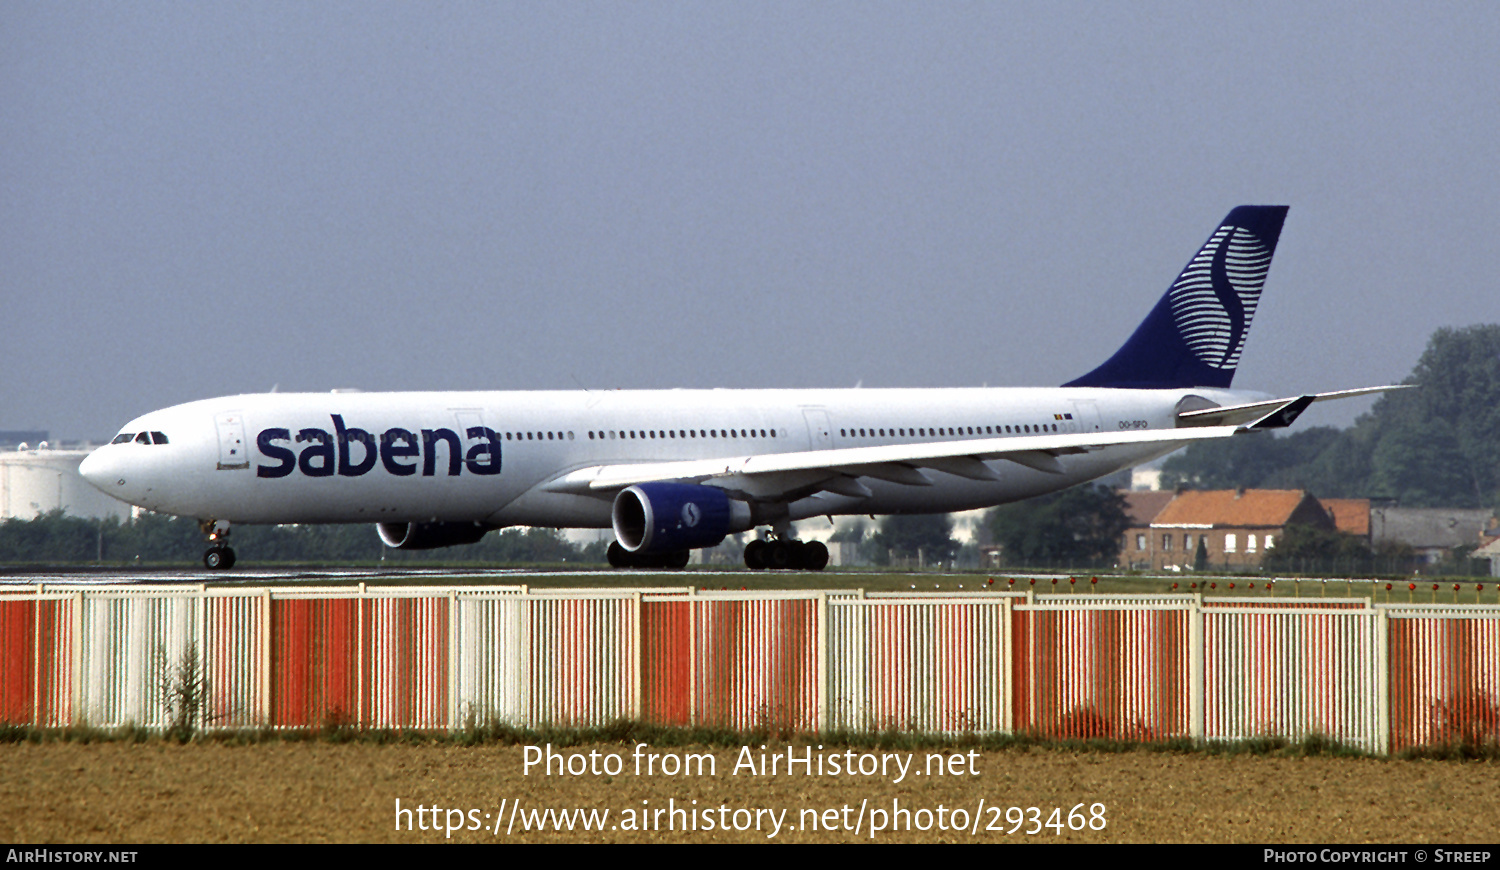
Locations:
1350 516
1236 526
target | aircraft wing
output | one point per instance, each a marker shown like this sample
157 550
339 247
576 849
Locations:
778 476
770 475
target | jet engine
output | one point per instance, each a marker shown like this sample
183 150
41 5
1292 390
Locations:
430 536
667 517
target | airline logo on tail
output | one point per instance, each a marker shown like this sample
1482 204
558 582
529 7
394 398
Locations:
1194 335
1214 299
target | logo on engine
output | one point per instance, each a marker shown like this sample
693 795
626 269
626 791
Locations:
691 514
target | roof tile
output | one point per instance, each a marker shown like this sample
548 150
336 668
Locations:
1271 508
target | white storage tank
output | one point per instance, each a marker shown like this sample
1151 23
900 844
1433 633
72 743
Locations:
35 479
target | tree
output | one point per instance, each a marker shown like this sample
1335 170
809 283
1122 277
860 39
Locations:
905 535
57 537
853 533
1253 462
1078 526
1421 466
1451 419
1435 445
1307 549
1303 544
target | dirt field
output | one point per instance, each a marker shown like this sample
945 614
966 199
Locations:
117 792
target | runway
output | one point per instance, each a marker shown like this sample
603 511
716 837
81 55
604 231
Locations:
602 578
314 576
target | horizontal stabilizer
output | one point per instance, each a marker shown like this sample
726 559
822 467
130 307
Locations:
1270 414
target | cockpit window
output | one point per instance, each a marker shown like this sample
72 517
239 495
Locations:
140 438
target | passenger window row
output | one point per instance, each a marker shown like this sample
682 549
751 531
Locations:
957 431
683 434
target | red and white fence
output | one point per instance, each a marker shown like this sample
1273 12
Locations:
1443 674
1381 677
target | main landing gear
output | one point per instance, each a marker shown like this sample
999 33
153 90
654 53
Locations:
219 556
785 554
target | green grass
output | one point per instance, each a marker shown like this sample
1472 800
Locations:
868 579
628 734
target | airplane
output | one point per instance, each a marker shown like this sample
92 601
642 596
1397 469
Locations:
671 471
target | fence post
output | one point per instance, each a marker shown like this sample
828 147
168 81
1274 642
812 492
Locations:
75 675
453 660
692 656
1196 688
264 630
1382 681
638 711
1007 669
200 628
526 681
36 658
1031 711
822 681
359 660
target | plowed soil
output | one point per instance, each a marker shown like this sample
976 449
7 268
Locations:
118 792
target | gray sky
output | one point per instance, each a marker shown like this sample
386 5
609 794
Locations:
204 199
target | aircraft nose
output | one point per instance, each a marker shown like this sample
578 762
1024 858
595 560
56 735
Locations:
99 470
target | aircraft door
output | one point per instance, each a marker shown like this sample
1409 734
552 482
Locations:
470 418
467 419
1086 415
819 431
233 454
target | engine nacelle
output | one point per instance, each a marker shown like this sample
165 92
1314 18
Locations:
430 536
663 517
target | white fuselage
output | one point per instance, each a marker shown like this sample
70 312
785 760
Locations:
349 457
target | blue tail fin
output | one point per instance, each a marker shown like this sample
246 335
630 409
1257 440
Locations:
1194 335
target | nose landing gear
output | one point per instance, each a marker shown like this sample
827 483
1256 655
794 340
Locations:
219 556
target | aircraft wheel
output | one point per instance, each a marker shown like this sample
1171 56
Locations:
755 555
618 556
677 559
218 558
778 555
815 556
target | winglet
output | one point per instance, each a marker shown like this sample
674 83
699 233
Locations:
1194 335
